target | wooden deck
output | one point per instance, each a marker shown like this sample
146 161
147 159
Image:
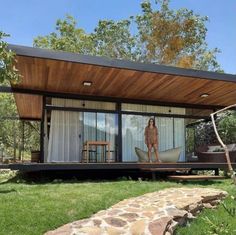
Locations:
116 166
195 177
4 166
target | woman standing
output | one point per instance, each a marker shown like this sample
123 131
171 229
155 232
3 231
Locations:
151 139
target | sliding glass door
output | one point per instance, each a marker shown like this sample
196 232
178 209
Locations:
70 130
73 122
101 127
64 137
171 134
132 135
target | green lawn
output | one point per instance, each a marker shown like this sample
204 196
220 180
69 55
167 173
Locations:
220 221
34 208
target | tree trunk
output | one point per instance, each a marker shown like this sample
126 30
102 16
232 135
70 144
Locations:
230 168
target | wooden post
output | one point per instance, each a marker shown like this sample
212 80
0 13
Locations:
217 171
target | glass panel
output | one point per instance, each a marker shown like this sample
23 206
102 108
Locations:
171 134
179 135
165 129
152 109
133 127
70 130
101 127
64 142
86 104
111 129
89 126
190 141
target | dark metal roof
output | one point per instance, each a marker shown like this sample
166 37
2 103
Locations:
114 63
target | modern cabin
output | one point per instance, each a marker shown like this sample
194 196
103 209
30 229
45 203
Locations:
94 109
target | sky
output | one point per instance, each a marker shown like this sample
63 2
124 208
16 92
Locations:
26 19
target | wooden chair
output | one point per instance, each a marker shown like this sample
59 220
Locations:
92 154
113 156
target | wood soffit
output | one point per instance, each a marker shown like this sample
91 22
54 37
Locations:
54 75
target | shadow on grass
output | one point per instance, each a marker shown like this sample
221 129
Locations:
72 177
7 191
56 177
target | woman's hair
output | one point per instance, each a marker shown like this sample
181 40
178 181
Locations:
151 119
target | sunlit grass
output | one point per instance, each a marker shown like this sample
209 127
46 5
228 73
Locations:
34 208
219 221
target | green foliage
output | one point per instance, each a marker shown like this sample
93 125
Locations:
175 37
162 36
227 127
221 228
190 140
66 38
214 221
7 106
8 72
113 39
205 134
12 130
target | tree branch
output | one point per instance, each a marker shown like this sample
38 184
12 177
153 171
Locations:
221 142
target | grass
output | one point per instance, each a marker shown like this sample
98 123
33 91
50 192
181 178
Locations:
30 208
219 221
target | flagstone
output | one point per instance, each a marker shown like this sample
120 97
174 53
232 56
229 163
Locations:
154 213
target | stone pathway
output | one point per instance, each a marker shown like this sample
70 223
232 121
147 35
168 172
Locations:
152 213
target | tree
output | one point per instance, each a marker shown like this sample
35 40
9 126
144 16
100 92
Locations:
230 168
175 38
8 72
16 135
11 128
113 39
161 36
227 127
66 38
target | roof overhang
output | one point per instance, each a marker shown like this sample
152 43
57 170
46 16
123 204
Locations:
47 72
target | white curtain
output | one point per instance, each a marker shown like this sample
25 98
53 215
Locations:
133 136
68 131
179 135
45 136
65 135
165 133
111 133
101 127
89 126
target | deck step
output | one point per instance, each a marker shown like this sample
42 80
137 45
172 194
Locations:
165 169
195 177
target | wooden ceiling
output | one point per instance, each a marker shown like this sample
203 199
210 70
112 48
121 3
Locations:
52 75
